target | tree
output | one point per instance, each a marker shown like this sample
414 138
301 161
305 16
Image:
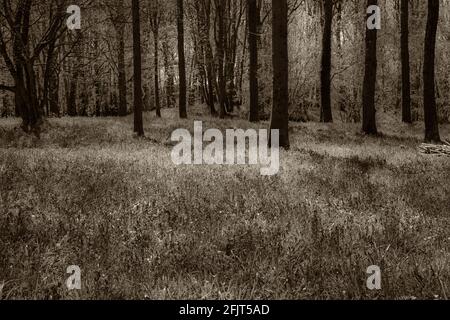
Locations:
25 53
406 70
137 64
155 20
280 60
181 60
252 15
220 43
118 19
370 78
325 72
429 90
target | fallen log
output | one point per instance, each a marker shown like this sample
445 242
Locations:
434 149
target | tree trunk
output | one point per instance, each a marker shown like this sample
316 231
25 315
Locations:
181 60
370 78
156 71
24 78
253 52
137 64
75 66
406 71
220 8
429 95
325 72
280 60
122 81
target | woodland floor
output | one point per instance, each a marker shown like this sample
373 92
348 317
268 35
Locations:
89 194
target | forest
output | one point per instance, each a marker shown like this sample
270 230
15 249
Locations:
91 91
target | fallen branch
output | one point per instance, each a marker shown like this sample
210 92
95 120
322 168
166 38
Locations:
434 149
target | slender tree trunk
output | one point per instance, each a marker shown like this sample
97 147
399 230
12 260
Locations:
122 81
156 71
406 71
280 60
220 8
50 92
137 63
181 60
429 95
325 72
78 40
253 49
370 78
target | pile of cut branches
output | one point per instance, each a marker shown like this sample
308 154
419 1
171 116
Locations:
435 149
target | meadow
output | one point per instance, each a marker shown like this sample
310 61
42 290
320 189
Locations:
88 193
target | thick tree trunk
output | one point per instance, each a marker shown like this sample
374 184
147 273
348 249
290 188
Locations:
325 72
406 71
24 77
181 61
253 50
370 78
429 95
137 64
280 60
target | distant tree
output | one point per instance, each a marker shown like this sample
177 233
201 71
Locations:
280 60
137 64
325 72
181 60
370 78
220 44
252 16
429 94
116 11
77 38
406 70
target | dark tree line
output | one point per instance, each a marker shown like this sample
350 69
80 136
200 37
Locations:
215 59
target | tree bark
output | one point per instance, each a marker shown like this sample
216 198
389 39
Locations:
406 70
429 94
220 12
137 64
280 60
253 52
325 72
156 72
122 81
370 78
181 61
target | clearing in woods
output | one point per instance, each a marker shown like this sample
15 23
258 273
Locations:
138 226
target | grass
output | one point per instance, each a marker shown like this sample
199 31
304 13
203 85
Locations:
89 194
